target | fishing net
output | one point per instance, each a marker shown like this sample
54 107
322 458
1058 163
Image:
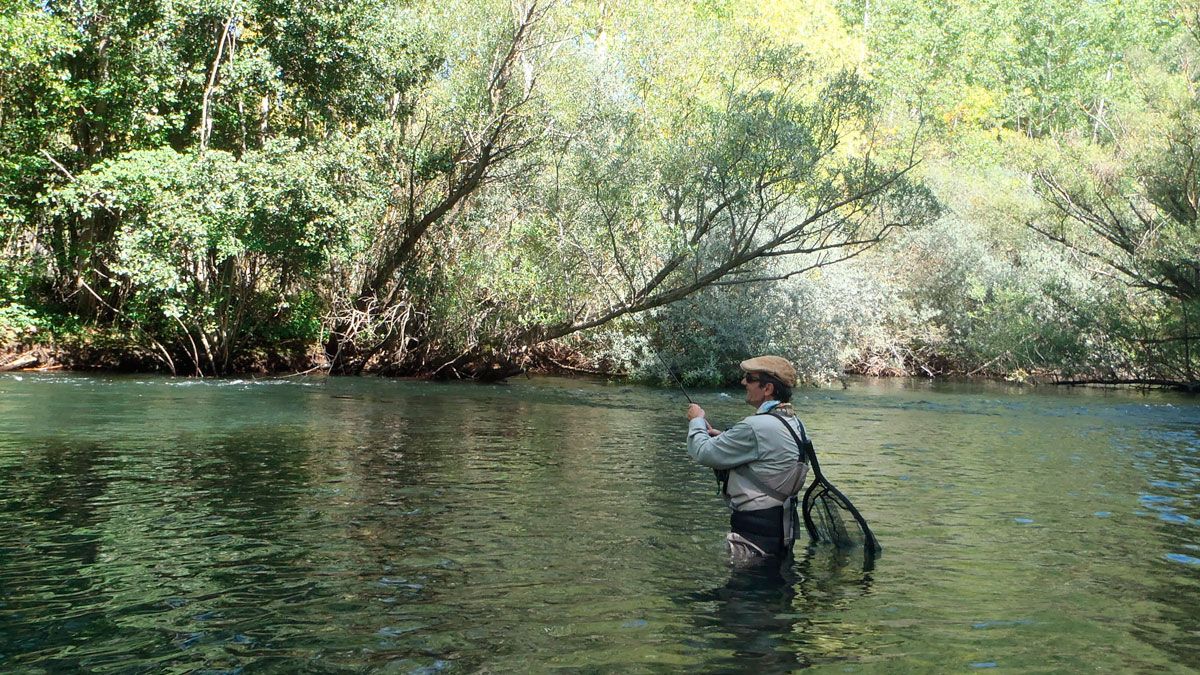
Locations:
830 517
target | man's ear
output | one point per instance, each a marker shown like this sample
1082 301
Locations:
769 389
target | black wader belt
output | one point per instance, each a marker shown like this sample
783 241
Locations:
763 527
763 522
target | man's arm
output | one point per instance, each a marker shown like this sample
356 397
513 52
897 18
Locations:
733 447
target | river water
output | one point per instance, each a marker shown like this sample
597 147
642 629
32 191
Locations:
361 524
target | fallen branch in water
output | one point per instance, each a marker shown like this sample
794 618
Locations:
573 369
1191 387
22 361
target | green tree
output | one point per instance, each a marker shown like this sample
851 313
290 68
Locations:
702 160
465 126
1034 67
1132 213
213 254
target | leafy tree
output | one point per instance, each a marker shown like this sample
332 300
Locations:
95 94
703 159
212 254
1035 67
1132 213
466 125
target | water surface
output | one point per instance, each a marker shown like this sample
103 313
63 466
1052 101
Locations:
348 525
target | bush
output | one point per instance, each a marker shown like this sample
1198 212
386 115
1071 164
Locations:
209 256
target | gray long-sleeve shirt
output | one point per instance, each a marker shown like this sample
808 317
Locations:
758 443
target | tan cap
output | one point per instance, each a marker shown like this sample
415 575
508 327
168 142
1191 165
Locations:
772 365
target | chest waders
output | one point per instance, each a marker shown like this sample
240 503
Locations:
772 530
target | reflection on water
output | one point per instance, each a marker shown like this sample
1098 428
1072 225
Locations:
761 619
750 619
152 524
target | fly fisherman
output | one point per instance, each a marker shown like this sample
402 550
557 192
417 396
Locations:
757 460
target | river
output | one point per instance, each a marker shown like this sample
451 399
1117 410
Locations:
361 524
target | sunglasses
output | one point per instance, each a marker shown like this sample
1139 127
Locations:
750 378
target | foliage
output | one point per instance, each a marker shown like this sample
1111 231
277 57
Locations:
1040 68
703 337
209 251
1132 213
456 187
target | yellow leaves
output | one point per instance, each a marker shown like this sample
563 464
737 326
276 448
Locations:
813 26
975 106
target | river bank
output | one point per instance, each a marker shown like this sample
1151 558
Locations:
46 358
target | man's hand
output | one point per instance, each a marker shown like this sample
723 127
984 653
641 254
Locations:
695 411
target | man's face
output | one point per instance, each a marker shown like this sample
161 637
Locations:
756 391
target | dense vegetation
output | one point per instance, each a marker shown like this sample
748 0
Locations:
465 188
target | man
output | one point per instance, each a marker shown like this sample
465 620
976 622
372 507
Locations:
765 468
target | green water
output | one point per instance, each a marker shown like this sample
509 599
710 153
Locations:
348 525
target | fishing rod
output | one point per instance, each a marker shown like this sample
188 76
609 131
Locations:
722 475
670 372
679 384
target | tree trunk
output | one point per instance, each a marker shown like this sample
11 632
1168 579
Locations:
22 361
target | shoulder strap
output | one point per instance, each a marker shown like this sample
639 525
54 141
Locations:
803 434
802 443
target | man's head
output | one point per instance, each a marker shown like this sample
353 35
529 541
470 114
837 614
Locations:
768 378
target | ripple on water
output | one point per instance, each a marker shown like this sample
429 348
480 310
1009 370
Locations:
1001 623
506 527
397 631
1156 502
416 668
